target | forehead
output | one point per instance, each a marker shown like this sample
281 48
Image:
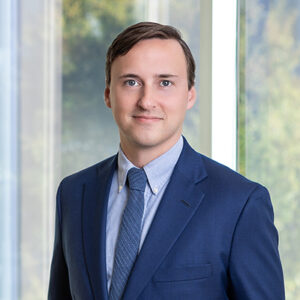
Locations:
153 55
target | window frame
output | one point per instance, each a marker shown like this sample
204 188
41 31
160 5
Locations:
9 150
224 82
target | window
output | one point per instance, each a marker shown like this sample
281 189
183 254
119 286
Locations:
53 118
8 155
269 116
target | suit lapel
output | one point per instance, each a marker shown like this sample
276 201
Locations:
182 198
94 209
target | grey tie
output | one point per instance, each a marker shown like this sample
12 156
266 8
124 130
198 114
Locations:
130 233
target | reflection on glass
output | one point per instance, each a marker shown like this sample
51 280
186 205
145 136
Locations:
269 118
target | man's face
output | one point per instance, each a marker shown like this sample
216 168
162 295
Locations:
149 95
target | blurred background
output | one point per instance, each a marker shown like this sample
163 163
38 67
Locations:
53 120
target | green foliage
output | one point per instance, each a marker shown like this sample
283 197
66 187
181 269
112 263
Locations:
269 120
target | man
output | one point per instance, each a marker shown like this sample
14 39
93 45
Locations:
159 220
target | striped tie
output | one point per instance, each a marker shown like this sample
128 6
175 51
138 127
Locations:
129 234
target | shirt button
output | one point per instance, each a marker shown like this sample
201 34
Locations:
155 190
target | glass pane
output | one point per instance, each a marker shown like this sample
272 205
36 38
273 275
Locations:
8 155
53 118
269 116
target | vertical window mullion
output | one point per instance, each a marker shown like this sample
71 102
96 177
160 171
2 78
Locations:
9 206
224 100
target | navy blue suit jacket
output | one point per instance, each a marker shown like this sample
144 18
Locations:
212 237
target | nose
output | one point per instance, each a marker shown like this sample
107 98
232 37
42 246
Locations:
147 98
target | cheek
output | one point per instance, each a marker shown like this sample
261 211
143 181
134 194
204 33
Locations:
177 106
175 99
121 108
125 98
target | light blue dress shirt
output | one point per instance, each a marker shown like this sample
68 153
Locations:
158 173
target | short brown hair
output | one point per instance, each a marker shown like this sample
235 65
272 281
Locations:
143 31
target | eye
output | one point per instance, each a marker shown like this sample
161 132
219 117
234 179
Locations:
131 82
165 83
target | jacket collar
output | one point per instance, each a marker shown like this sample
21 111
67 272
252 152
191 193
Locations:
94 211
182 198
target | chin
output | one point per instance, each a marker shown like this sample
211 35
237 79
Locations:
152 141
146 142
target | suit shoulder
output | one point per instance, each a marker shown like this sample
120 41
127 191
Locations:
216 175
230 188
217 169
220 171
88 173
227 179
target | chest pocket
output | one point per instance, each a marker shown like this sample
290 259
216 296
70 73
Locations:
187 273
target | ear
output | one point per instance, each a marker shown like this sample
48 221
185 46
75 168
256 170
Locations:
107 97
191 97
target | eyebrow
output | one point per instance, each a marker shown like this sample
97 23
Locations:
166 75
131 75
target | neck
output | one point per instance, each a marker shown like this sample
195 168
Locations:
141 156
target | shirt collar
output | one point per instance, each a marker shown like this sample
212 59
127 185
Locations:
158 171
124 165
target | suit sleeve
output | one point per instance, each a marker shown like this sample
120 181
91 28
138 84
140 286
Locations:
59 280
254 268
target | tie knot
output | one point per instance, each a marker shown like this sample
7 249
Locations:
137 179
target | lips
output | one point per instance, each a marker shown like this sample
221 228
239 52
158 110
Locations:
146 118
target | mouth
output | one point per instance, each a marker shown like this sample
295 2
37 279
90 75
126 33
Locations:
146 118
